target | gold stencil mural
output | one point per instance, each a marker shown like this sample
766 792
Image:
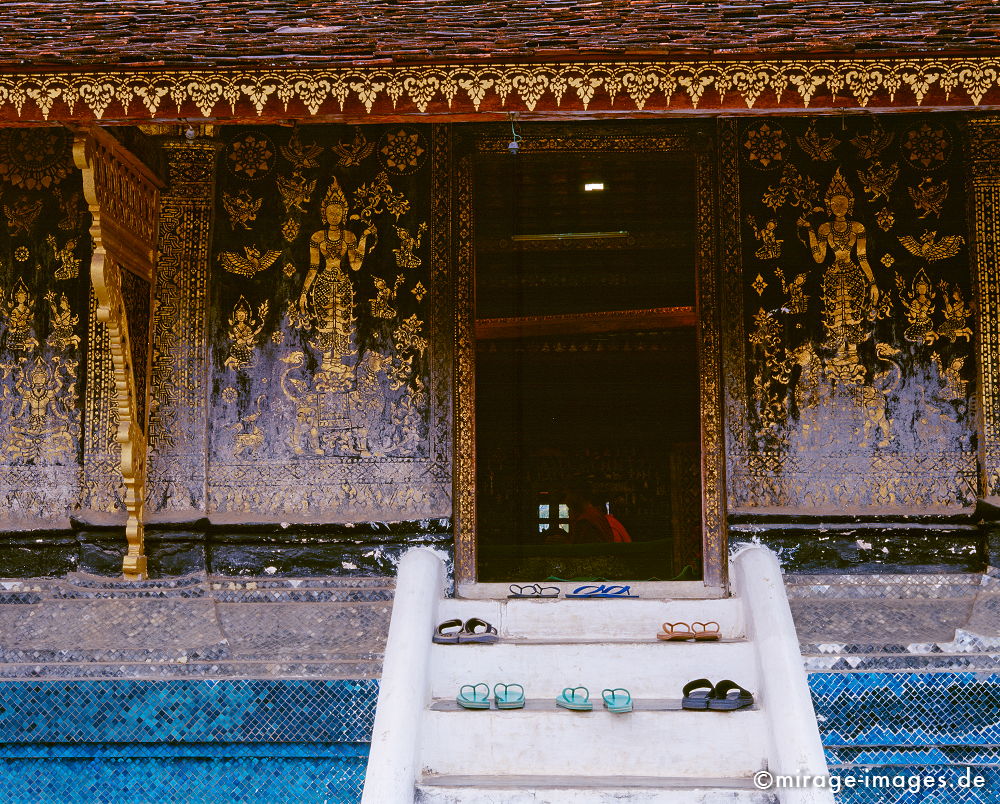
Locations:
857 329
983 139
178 417
327 387
43 321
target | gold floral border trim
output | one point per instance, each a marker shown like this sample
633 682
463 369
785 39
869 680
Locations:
983 138
765 84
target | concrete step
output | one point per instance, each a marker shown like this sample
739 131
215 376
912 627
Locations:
587 790
592 619
648 669
555 741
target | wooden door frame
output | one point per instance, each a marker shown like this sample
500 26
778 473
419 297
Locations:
698 142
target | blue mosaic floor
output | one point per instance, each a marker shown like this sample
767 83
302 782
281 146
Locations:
147 741
911 738
905 738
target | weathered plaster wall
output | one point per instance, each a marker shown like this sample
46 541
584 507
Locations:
44 313
325 400
851 377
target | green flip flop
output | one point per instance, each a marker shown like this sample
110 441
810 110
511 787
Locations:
474 696
575 698
617 700
509 696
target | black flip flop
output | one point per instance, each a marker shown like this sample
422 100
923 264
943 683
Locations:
441 638
532 590
697 694
478 631
728 695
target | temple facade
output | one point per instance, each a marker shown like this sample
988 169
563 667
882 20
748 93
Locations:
265 318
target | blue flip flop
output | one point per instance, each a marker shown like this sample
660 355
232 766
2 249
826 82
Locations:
575 698
509 696
474 696
601 591
617 700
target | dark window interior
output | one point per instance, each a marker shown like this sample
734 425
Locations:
591 386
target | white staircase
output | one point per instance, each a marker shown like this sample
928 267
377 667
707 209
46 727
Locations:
427 749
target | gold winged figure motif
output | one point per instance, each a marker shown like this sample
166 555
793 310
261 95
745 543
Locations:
928 196
931 250
878 180
300 154
355 152
21 215
871 145
818 148
250 265
242 208
295 191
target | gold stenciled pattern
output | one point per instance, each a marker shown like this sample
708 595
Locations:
178 418
42 331
844 389
244 331
983 137
746 83
327 404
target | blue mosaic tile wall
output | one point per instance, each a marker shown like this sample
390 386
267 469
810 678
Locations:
911 738
185 740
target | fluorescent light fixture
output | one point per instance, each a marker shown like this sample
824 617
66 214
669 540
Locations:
530 238
593 186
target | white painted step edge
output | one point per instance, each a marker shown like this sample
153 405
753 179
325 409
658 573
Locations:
404 689
794 743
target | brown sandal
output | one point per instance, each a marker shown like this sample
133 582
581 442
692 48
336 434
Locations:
671 633
706 634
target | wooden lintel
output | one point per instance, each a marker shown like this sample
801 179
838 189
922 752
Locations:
586 323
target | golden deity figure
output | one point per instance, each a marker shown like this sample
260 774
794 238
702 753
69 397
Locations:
850 296
798 300
956 315
768 236
244 331
63 322
326 302
20 310
39 425
381 305
919 305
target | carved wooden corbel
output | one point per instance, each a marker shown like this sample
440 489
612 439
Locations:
123 197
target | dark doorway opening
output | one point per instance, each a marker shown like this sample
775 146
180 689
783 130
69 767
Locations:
587 371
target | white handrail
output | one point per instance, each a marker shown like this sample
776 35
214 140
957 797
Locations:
795 751
404 689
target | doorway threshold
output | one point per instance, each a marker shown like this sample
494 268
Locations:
649 590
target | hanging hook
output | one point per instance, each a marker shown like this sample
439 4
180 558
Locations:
513 146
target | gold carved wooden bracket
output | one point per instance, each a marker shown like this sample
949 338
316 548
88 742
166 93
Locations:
123 197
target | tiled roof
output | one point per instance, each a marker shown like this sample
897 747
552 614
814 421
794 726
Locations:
205 32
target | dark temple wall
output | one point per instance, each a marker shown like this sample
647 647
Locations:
850 381
44 313
303 335
300 412
325 400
